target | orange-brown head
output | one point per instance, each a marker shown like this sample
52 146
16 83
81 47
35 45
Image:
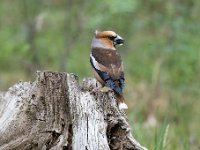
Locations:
107 39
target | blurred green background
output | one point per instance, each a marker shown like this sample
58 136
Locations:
161 56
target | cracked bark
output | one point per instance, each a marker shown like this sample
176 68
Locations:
56 113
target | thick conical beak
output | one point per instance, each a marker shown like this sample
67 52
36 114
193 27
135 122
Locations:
118 40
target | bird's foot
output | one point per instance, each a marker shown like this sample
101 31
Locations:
104 89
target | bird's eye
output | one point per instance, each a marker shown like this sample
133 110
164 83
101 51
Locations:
112 37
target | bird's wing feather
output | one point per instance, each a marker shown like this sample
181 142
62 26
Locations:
108 65
108 61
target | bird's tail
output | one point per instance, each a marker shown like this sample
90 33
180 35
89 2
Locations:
120 101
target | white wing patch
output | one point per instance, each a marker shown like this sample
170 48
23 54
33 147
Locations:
95 63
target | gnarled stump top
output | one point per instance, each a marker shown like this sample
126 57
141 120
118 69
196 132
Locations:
55 112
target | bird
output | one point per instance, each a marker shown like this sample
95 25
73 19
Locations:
107 64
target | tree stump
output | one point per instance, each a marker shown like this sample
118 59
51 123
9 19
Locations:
55 112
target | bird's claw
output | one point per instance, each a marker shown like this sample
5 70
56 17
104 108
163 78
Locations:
104 89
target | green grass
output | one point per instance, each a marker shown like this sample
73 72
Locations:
177 120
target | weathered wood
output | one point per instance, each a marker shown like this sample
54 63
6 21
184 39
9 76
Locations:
56 113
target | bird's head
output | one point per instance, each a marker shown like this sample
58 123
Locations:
107 39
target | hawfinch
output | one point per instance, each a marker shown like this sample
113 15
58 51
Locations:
107 64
